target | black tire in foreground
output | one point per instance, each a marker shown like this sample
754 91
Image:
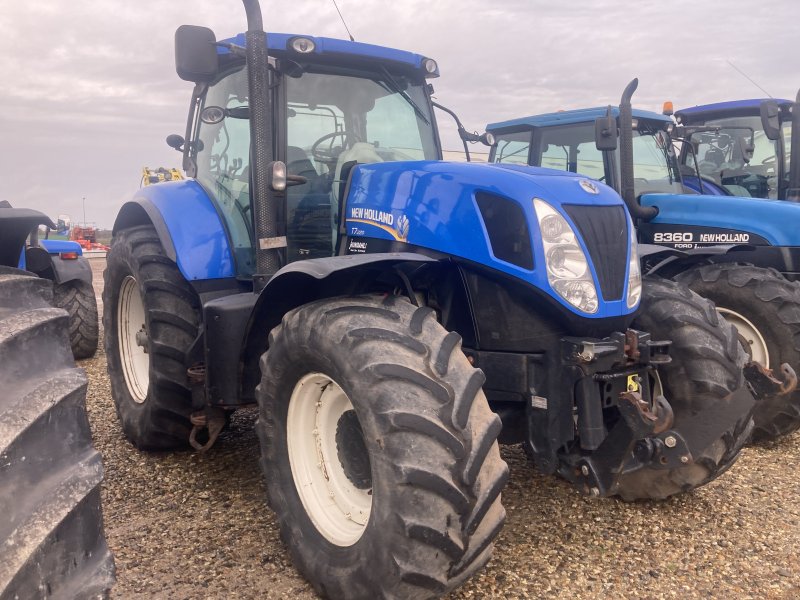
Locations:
771 305
379 450
150 319
78 299
705 372
51 530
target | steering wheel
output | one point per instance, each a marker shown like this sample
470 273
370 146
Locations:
329 155
769 160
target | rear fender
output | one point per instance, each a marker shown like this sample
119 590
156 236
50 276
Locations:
188 226
53 267
16 225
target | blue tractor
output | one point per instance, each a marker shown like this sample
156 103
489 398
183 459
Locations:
743 148
741 253
392 315
63 263
50 475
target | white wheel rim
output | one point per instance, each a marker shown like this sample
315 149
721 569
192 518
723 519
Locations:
337 508
752 340
131 321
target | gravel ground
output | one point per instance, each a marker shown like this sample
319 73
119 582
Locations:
184 525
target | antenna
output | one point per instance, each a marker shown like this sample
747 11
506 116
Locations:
352 39
738 70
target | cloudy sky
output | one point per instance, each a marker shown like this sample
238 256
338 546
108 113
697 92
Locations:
89 89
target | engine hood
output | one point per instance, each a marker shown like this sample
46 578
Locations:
776 221
434 205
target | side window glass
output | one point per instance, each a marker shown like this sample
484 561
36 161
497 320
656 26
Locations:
223 164
513 148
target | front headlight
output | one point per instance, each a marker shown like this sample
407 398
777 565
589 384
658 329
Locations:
567 267
634 272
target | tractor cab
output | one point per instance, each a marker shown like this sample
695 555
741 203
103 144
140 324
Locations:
728 151
334 104
566 140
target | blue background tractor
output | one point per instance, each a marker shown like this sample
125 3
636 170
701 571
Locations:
744 254
63 263
743 148
392 315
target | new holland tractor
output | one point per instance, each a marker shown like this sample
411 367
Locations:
392 314
51 532
63 263
743 148
742 253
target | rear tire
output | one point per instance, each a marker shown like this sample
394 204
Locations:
51 531
706 368
766 308
427 452
78 299
149 305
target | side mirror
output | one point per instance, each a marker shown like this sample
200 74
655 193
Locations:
770 119
175 141
605 132
196 53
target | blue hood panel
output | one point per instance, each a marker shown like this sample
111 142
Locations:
431 204
774 220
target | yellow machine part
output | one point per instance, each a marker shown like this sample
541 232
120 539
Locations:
159 174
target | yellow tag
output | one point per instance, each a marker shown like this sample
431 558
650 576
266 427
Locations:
633 385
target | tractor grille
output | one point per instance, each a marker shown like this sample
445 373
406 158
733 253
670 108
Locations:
604 230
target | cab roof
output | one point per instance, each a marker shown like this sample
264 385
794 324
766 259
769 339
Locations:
336 50
570 117
731 108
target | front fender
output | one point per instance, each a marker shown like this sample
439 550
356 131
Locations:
53 267
294 285
188 225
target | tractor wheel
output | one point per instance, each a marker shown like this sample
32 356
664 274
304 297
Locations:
77 298
765 308
151 317
51 531
706 369
379 450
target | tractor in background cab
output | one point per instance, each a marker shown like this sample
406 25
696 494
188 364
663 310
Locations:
740 253
393 315
742 148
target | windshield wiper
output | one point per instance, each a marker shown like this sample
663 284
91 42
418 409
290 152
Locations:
395 87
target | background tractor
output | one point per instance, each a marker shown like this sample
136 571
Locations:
52 528
742 253
392 315
743 148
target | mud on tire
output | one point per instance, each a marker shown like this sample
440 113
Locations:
772 304
706 368
154 411
433 461
77 298
51 531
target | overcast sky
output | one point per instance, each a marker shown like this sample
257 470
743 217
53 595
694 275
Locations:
89 89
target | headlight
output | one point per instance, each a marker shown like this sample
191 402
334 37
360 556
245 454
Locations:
567 267
634 273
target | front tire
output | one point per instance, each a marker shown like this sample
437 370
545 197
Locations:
706 369
371 405
151 317
78 299
765 308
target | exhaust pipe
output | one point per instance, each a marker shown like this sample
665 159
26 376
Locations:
627 191
793 193
265 208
